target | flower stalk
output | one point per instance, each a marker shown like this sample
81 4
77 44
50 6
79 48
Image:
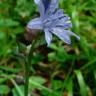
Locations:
28 66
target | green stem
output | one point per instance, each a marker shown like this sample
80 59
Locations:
27 67
26 77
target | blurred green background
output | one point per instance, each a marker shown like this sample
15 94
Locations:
57 70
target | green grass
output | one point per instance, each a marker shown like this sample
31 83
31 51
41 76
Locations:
57 70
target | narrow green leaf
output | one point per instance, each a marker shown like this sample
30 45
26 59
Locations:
36 82
83 87
13 70
19 91
70 87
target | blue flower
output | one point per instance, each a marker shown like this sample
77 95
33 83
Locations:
52 21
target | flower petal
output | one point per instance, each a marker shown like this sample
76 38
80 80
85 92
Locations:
53 6
62 35
48 36
40 7
58 14
35 24
51 9
63 23
46 4
72 34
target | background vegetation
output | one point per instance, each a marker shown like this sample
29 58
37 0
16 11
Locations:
57 70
